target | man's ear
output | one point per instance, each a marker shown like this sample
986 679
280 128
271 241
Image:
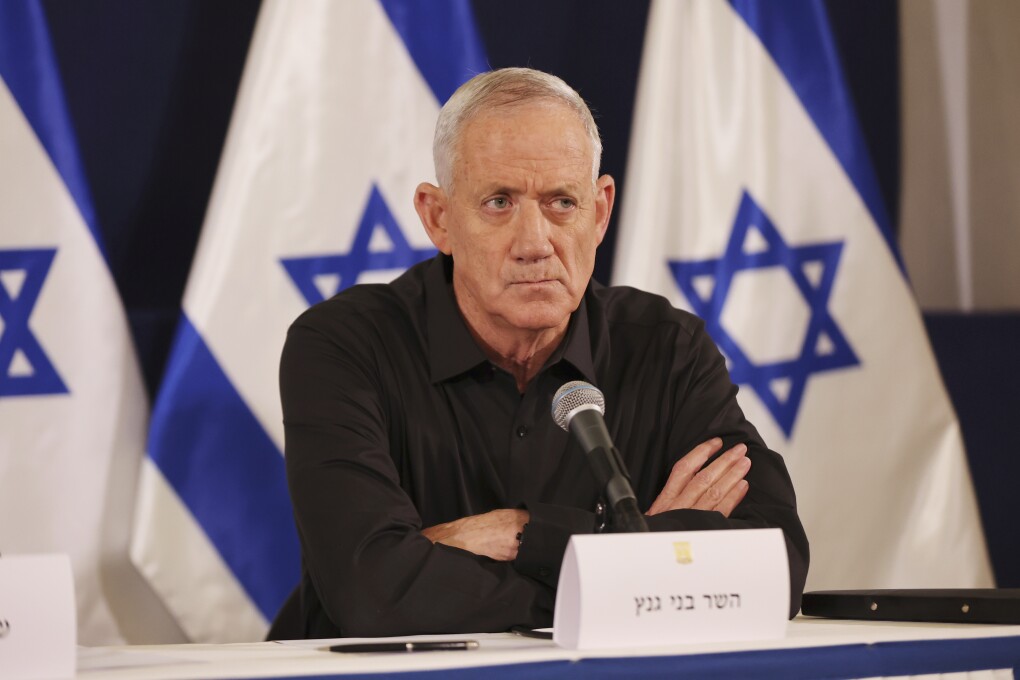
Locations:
605 195
432 206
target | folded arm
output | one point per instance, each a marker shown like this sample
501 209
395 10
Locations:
716 473
372 568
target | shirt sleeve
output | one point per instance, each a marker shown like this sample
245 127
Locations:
706 406
545 539
371 569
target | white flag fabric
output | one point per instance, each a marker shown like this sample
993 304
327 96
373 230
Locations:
750 201
72 402
330 135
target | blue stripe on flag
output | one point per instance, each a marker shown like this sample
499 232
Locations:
800 39
442 39
227 470
28 66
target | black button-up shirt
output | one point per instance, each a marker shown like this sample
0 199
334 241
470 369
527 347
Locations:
395 420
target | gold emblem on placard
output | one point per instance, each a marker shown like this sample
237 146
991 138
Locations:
683 552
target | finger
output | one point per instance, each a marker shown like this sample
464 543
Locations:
682 472
714 495
516 521
702 482
502 529
733 498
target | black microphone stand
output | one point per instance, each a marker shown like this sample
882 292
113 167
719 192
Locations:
610 472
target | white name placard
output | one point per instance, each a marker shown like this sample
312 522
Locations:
38 631
663 588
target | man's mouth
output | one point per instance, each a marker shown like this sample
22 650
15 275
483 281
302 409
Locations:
532 282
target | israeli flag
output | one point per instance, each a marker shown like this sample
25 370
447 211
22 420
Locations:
751 201
72 403
331 134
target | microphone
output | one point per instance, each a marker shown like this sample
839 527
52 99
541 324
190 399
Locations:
578 408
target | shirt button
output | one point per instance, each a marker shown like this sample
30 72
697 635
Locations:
522 432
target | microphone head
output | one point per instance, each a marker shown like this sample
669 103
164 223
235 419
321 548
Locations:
575 396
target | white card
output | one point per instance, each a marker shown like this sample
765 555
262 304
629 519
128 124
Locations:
662 588
38 631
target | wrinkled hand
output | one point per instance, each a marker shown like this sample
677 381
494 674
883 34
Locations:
720 486
493 534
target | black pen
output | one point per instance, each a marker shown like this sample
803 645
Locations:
433 646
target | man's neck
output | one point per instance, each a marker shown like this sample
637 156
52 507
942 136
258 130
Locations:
523 354
519 352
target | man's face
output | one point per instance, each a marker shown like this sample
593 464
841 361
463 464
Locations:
523 220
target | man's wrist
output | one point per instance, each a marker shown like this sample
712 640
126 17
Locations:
545 538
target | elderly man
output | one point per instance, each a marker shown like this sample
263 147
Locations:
432 490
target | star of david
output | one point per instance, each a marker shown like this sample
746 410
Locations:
24 367
321 276
779 384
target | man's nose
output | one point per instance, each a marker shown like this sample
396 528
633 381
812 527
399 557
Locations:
533 232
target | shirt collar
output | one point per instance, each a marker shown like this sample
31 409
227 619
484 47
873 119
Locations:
576 346
453 351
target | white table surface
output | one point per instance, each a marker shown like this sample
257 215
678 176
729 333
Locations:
307 657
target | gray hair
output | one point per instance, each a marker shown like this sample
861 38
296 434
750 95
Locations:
504 87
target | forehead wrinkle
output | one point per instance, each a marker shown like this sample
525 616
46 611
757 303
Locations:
533 185
497 150
530 174
517 145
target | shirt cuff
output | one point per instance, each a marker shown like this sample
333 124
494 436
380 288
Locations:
545 539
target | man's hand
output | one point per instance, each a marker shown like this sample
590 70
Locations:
493 534
720 486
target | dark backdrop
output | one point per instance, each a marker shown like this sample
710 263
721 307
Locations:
151 85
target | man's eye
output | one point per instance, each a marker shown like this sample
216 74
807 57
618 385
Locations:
564 203
499 203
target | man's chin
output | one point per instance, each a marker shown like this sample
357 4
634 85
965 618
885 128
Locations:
539 315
